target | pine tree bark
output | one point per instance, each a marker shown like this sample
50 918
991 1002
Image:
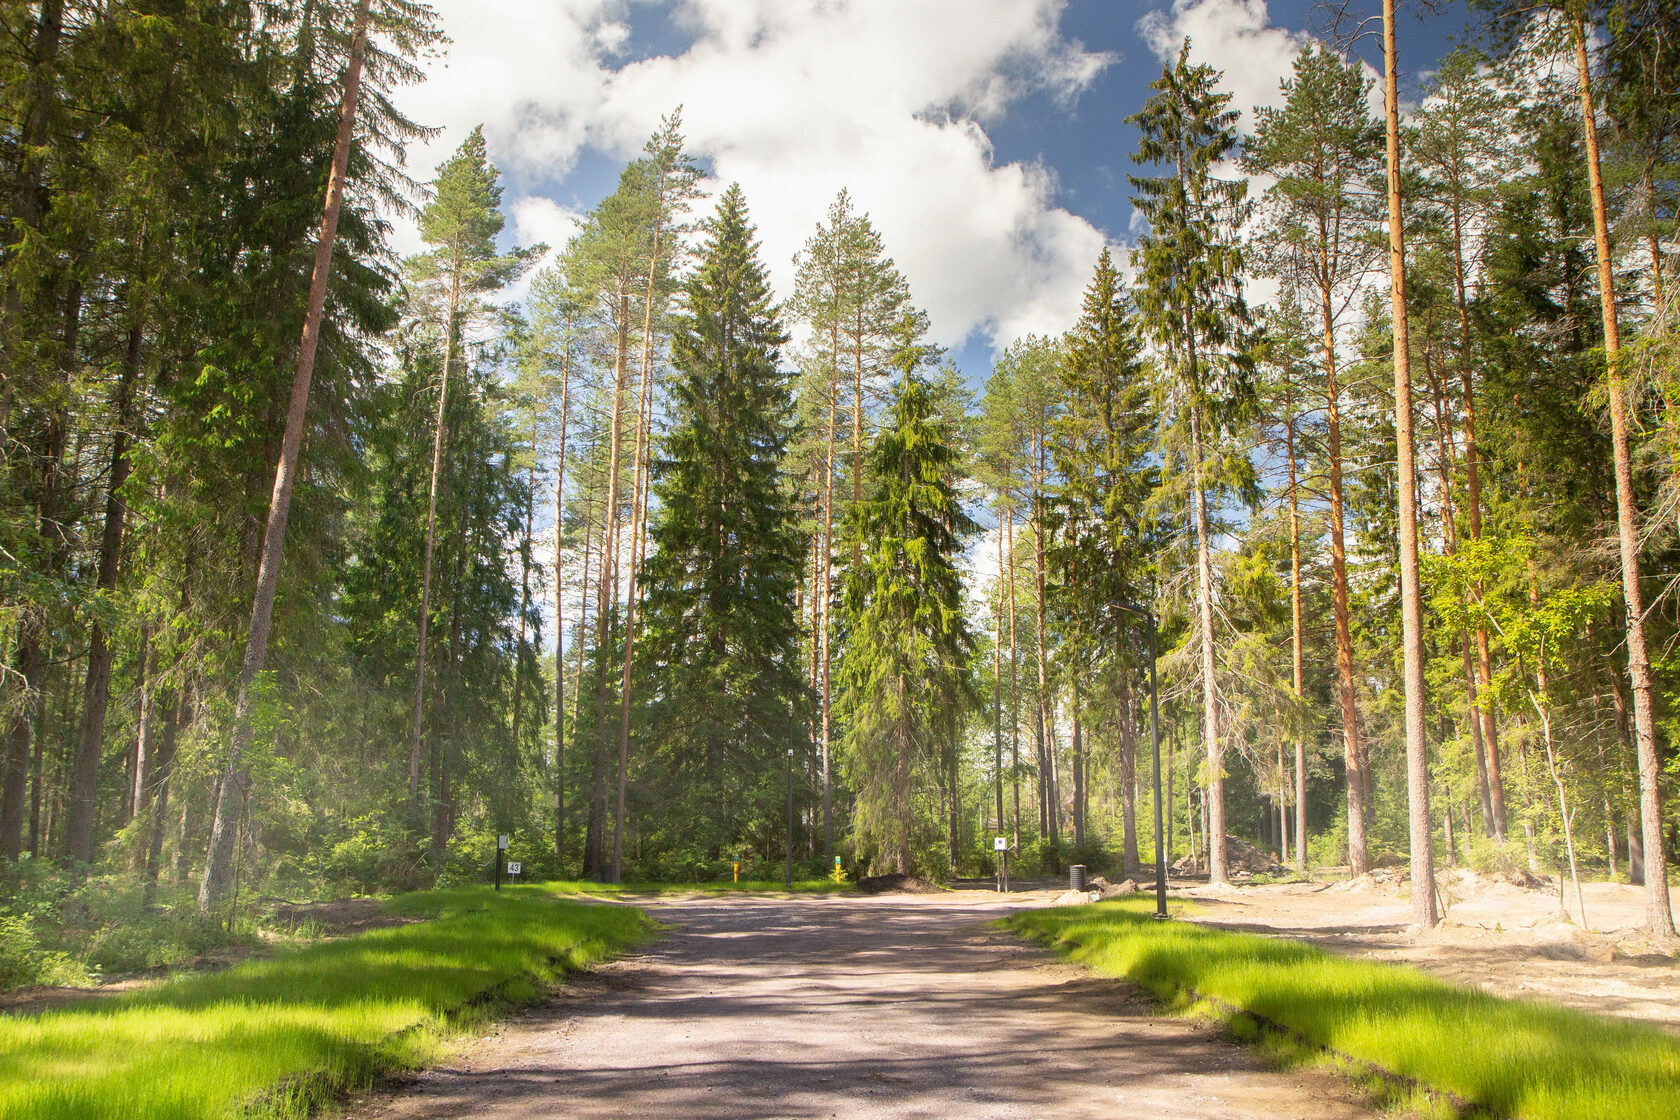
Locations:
1014 688
217 883
1047 797
596 865
1353 755
1297 643
1411 600
997 679
1659 917
560 602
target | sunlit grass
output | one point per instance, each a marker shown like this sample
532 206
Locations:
275 1037
1515 1058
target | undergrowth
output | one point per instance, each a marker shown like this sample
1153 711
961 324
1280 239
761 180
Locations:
274 1038
1501 1057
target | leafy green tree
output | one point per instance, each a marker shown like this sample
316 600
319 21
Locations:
1190 269
904 668
721 644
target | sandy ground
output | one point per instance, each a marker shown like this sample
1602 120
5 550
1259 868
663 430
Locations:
847 1006
1505 939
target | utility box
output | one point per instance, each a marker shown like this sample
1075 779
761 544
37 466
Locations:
1076 877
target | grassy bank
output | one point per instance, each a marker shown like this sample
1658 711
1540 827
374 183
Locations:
1504 1057
274 1037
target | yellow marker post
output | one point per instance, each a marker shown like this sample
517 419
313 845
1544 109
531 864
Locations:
737 866
837 873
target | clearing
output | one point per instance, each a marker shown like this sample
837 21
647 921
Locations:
1499 936
889 1006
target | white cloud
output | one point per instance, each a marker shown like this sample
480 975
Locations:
1235 36
888 98
1238 38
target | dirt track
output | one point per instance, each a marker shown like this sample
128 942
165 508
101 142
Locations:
899 1006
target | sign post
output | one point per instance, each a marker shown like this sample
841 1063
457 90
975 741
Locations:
1000 845
501 855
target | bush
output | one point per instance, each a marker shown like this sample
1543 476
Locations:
24 964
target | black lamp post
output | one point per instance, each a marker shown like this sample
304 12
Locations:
1155 742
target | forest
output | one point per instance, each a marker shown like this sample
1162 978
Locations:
321 566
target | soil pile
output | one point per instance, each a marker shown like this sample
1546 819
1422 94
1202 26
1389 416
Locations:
897 884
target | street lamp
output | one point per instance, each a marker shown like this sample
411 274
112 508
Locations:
1155 742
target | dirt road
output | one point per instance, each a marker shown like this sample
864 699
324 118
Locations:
898 1006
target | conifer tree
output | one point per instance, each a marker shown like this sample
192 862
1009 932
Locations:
448 284
1190 296
1321 149
721 646
905 690
1105 434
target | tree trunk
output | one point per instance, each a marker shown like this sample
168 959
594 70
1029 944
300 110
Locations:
1131 865
1411 601
1659 918
825 594
997 679
1486 738
1353 755
595 856
84 782
439 437
1296 642
560 602
1078 768
1014 686
1214 793
218 866
1046 779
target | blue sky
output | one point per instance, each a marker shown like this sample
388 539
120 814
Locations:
987 138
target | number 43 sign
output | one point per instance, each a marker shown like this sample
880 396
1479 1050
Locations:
513 868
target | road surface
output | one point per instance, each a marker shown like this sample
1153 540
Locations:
845 1006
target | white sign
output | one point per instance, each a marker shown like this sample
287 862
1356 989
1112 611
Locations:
501 842
513 868
1000 844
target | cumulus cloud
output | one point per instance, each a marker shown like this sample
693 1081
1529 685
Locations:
1235 36
887 98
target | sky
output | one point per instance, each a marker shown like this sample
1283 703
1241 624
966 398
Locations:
986 139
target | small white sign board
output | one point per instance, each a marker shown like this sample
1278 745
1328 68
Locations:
1000 844
513 868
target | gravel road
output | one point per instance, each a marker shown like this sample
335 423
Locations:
897 1006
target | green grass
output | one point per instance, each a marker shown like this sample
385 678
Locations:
276 1037
1508 1058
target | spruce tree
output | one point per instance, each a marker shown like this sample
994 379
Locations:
1102 454
1190 267
905 690
721 638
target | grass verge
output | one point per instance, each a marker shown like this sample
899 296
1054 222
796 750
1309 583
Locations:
1504 1057
276 1037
